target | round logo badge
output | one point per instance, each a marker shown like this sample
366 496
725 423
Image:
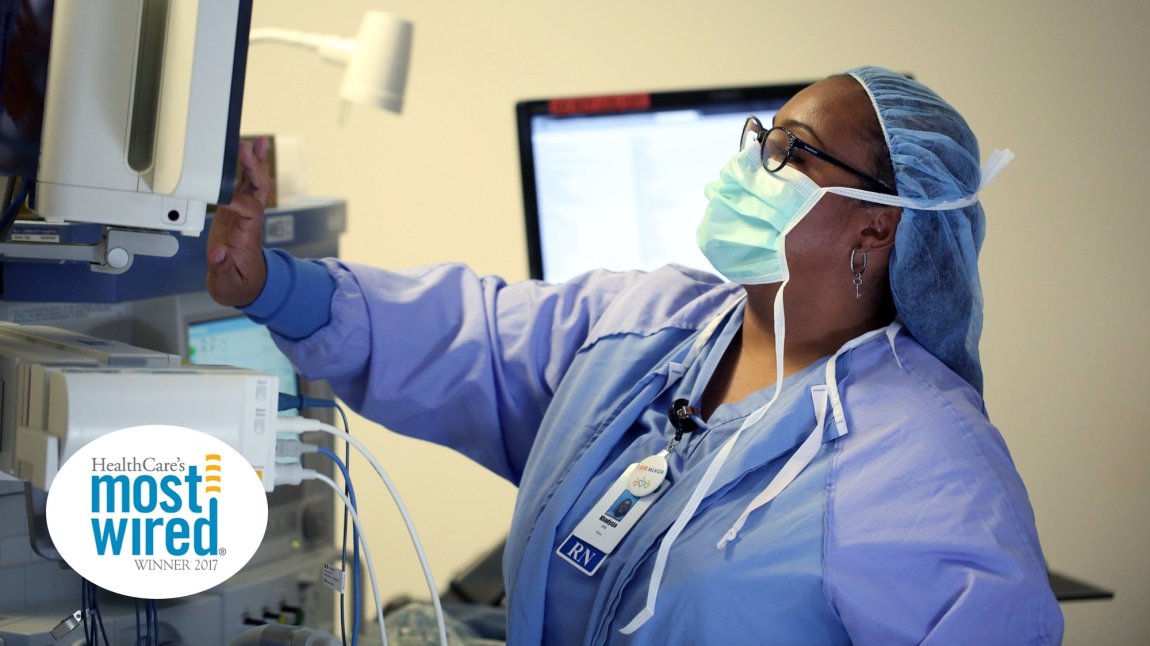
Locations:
646 477
157 512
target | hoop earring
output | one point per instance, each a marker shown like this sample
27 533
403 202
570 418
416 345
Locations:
858 272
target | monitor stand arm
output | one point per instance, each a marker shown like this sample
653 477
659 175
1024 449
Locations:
113 254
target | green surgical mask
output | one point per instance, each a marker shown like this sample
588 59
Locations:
749 213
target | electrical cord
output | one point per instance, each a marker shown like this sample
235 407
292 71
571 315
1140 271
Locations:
296 425
9 193
93 632
294 474
99 615
13 209
356 578
299 402
356 602
151 634
84 610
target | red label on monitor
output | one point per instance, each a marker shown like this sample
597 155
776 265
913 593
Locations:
599 104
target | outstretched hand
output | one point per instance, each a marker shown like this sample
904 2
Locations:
236 268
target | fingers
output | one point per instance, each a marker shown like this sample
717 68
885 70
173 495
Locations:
256 177
243 206
236 268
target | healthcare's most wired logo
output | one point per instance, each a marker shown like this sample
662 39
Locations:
156 512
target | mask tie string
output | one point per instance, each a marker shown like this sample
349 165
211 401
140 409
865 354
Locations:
998 160
704 486
995 163
793 467
821 395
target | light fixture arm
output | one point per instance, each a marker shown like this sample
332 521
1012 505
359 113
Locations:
332 48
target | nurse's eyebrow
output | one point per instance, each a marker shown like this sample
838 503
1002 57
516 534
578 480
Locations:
807 134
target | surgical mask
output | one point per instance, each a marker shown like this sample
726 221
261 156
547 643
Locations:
749 213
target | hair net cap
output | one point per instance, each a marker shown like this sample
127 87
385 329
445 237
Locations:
934 264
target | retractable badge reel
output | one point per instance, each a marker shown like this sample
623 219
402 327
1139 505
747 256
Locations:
626 500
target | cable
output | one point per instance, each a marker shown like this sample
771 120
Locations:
9 193
95 616
354 546
150 637
315 475
155 621
300 425
356 577
300 402
289 402
88 638
99 615
13 209
89 590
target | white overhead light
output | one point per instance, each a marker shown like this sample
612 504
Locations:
376 59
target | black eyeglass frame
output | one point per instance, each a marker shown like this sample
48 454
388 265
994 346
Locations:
754 125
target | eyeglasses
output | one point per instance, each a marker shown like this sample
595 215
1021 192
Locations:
778 145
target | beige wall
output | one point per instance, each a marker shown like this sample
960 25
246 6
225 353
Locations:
1065 264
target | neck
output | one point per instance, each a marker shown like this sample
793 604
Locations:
815 327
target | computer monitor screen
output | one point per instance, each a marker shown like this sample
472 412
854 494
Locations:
25 37
238 341
616 182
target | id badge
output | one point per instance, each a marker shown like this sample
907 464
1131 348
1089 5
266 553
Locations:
610 519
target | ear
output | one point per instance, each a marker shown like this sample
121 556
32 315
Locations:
879 226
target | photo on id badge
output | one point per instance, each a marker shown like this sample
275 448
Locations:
622 505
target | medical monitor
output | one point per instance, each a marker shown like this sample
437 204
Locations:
122 112
239 341
617 182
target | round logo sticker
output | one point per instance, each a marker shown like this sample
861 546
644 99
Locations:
157 512
646 477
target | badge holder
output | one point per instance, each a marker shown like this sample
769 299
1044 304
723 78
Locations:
617 512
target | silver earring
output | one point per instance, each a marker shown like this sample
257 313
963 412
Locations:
858 272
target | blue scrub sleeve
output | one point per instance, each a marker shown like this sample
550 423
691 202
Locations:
444 355
296 296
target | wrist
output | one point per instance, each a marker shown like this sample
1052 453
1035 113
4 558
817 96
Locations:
296 297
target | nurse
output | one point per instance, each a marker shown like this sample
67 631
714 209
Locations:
804 447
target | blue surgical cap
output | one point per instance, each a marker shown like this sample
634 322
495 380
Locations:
934 264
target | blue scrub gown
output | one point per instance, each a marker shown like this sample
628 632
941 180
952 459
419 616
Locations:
909 525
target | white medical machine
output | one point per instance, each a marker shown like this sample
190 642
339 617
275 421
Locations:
140 120
62 390
119 125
